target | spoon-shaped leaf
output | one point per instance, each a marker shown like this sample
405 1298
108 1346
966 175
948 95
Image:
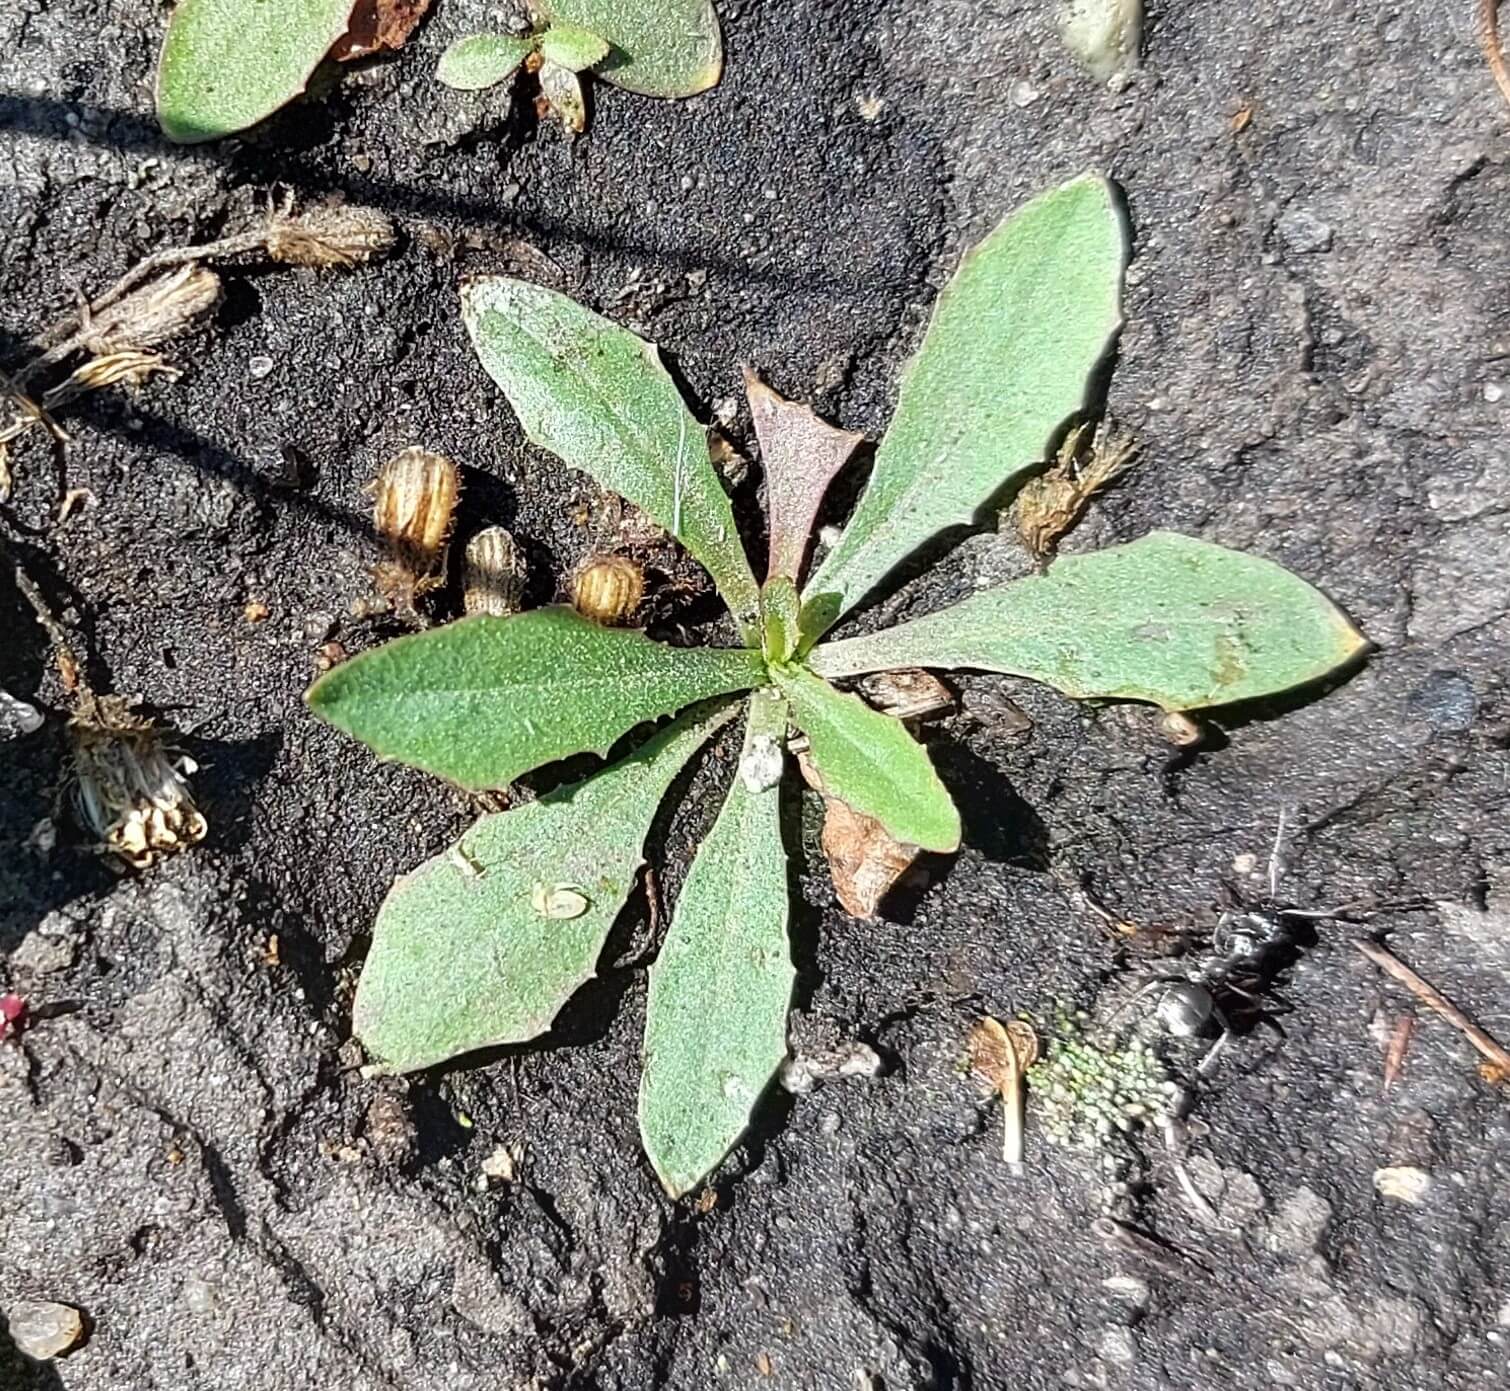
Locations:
226 65
870 762
483 944
663 48
597 395
482 60
1006 359
1167 619
715 1022
485 699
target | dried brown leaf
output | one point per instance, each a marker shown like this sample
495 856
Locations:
863 858
800 454
379 26
907 694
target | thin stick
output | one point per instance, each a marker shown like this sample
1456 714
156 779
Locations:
1489 41
1435 1001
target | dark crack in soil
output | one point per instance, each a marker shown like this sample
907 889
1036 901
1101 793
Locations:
1317 365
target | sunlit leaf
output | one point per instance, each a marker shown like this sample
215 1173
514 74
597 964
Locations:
226 65
482 700
482 60
598 396
663 48
869 761
572 47
779 610
800 455
1005 361
468 951
715 1023
1167 619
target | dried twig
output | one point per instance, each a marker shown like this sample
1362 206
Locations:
1435 1001
1399 1046
1489 41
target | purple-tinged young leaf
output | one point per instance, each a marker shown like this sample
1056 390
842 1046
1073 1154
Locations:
801 455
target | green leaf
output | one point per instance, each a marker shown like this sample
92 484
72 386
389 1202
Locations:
870 762
598 396
485 699
715 1022
663 48
1167 619
463 956
572 47
482 60
778 617
226 64
1006 359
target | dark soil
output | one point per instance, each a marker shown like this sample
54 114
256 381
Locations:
1317 364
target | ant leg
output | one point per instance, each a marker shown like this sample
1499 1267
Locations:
1207 1063
1276 855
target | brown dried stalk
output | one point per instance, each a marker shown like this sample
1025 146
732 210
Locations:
1488 1046
1489 41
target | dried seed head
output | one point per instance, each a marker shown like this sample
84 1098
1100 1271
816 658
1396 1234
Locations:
326 237
1181 731
161 310
131 789
414 504
608 588
493 574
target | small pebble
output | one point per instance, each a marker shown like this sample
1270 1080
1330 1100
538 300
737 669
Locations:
1494 393
17 717
259 367
43 1331
1402 1182
1023 94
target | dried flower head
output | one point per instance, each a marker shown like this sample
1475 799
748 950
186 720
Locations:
1050 504
493 574
608 588
131 788
160 310
329 237
414 504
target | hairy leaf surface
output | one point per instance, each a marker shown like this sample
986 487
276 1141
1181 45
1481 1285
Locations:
715 1023
1167 619
870 762
463 956
663 48
598 396
572 47
1006 359
226 65
482 700
800 455
482 60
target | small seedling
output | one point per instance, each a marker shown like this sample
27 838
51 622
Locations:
227 65
477 947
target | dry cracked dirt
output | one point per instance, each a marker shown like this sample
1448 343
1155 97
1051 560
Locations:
1317 365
